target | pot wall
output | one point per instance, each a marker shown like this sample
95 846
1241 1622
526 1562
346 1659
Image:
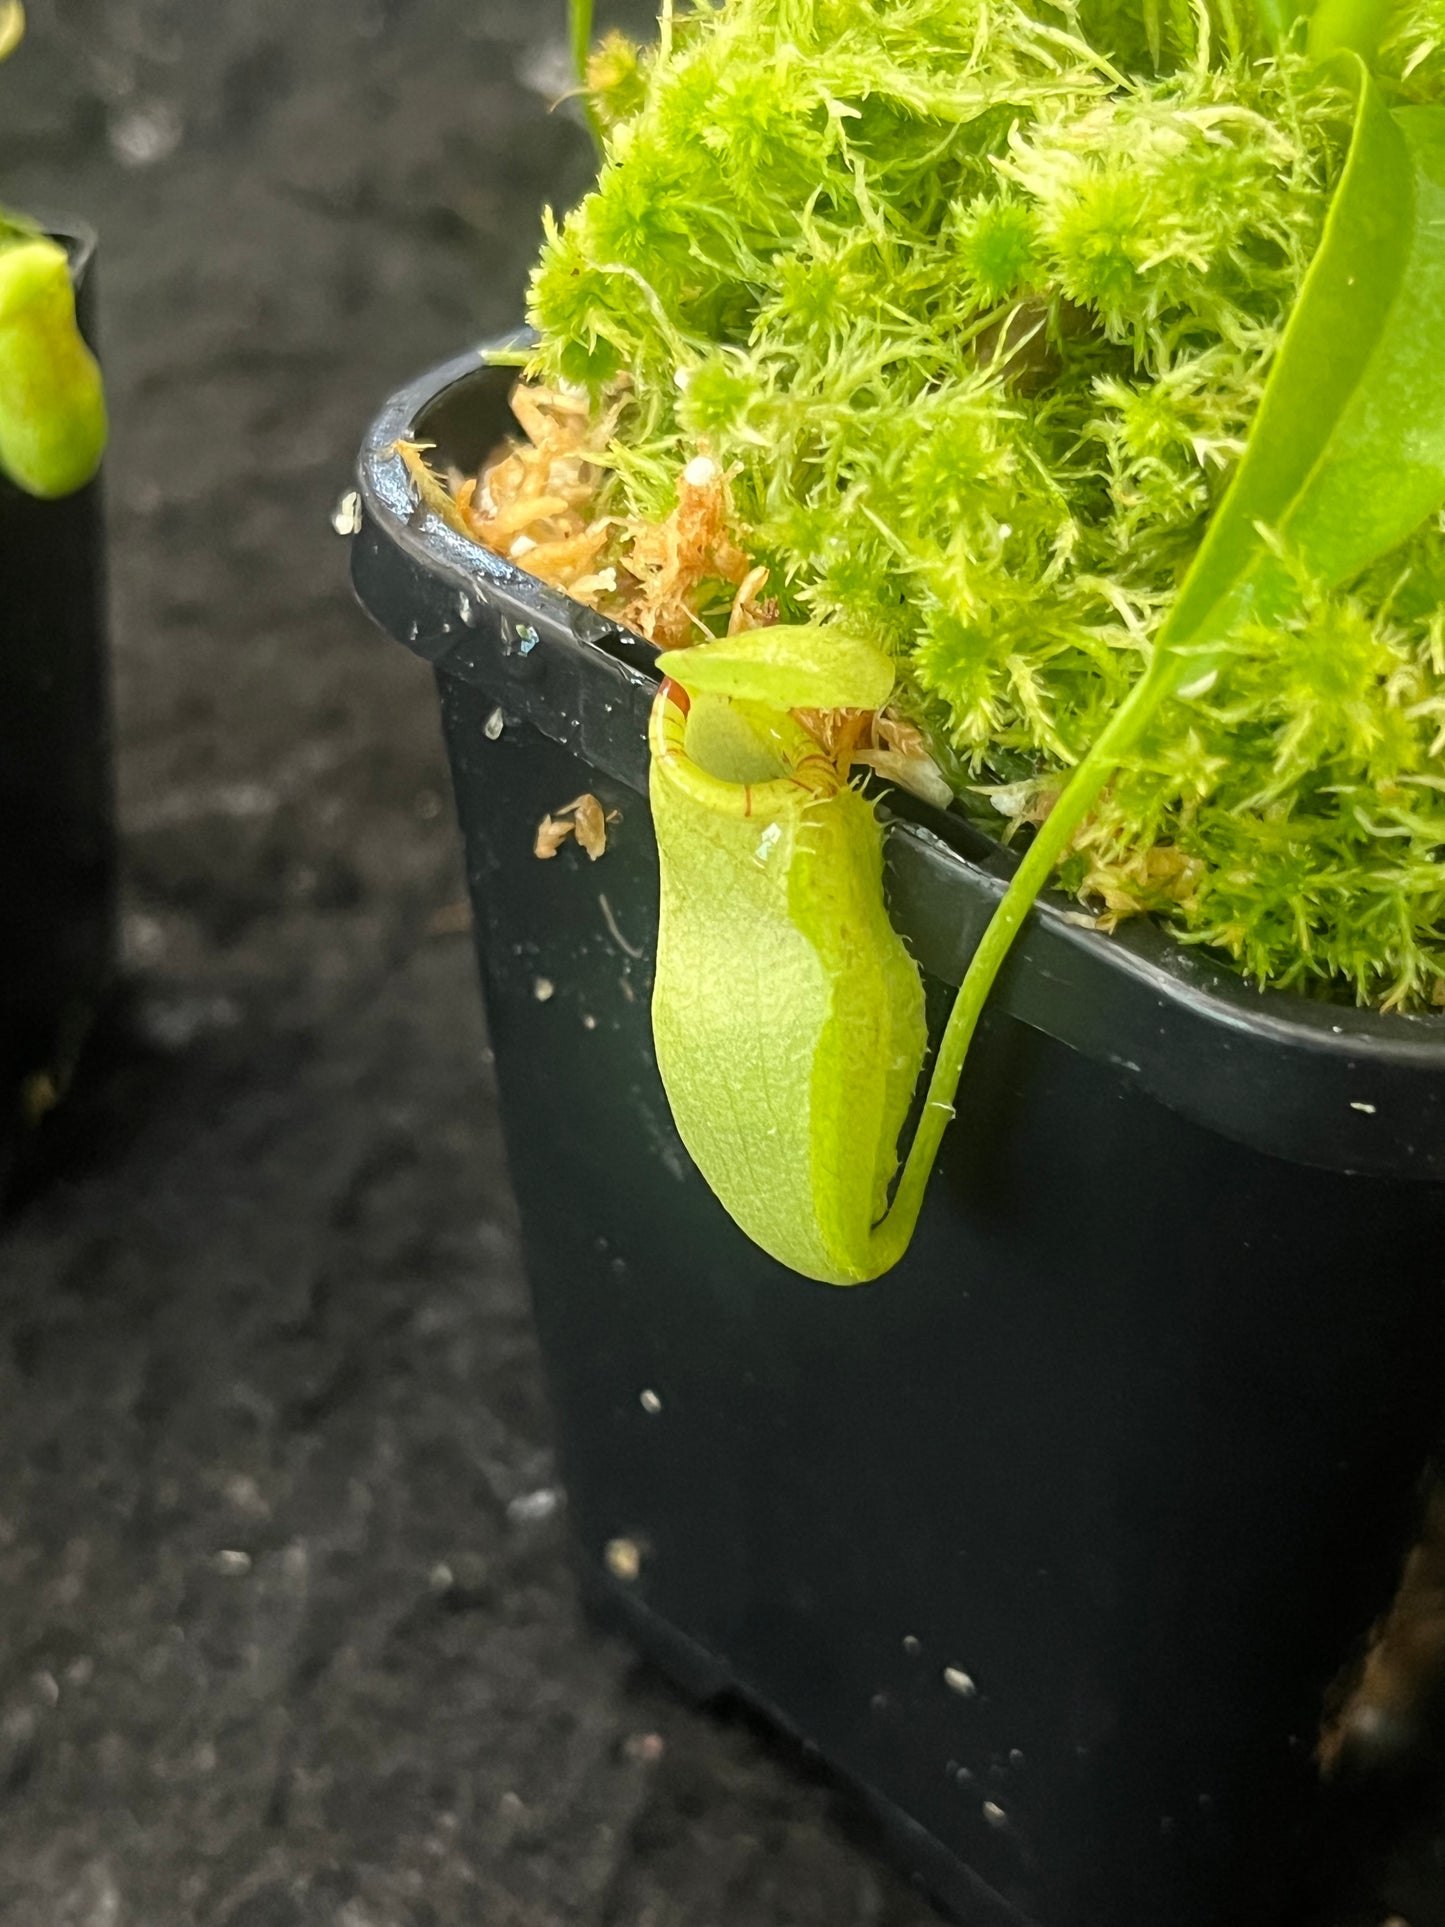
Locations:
1131 1439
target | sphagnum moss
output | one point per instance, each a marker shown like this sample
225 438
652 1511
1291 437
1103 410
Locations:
973 306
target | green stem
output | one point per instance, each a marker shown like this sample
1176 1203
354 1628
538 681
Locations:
579 15
1125 726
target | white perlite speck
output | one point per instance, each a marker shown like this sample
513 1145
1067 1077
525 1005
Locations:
346 516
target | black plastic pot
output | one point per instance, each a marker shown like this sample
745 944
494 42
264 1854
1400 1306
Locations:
1053 1539
57 862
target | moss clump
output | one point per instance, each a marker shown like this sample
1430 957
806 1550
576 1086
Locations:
973 307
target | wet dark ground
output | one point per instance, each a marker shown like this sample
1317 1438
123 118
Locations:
286 1630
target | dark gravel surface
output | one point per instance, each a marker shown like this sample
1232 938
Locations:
286 1630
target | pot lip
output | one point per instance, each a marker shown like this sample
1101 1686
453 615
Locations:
79 239
925 845
388 498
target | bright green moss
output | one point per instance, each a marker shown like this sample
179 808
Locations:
975 308
998 250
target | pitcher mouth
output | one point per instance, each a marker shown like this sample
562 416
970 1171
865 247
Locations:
809 767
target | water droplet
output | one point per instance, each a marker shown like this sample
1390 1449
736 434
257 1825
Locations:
467 609
911 1645
768 842
957 1681
494 725
528 637
529 1508
145 134
994 1814
650 1402
346 516
543 989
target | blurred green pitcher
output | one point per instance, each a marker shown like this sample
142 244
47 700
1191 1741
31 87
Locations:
52 406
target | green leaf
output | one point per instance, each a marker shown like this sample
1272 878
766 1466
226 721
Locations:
1350 26
52 408
1347 453
787 667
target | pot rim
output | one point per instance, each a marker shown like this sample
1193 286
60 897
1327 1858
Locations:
78 238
